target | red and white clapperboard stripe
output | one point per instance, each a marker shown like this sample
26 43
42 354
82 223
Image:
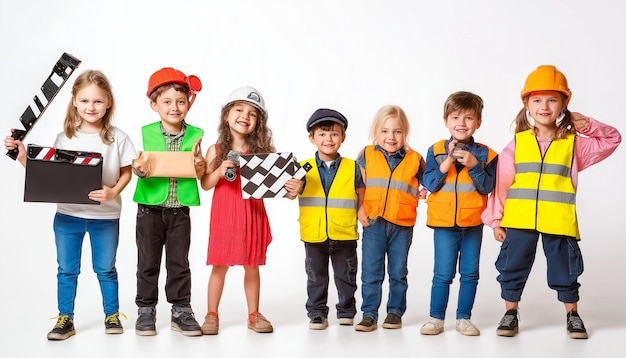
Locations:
60 155
41 153
265 175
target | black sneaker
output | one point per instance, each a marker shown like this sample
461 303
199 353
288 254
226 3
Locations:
64 329
183 321
575 327
392 321
367 324
508 326
112 324
146 321
318 323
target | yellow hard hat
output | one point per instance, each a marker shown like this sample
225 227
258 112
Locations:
546 78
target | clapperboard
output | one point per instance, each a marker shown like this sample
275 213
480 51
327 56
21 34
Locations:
61 72
265 175
61 176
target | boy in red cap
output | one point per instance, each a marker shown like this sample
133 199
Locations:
163 205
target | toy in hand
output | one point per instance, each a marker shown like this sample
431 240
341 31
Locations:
231 173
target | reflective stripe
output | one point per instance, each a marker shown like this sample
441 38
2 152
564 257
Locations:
330 203
393 184
544 195
545 169
458 187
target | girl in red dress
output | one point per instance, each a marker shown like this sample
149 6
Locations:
239 229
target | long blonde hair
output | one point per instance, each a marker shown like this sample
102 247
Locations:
390 111
72 118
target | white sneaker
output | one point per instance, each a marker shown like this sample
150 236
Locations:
466 327
433 327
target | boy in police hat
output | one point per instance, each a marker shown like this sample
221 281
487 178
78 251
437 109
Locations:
163 205
332 193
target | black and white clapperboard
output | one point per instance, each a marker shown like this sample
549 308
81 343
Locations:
61 176
265 175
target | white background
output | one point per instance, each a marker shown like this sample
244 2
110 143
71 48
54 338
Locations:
353 56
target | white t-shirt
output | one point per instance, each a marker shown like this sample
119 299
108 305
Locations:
116 155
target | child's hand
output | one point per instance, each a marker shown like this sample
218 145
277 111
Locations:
104 194
579 121
293 187
362 217
499 234
10 143
225 165
466 158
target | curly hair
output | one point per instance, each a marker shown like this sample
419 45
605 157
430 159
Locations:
259 141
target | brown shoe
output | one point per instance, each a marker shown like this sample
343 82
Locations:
211 324
258 323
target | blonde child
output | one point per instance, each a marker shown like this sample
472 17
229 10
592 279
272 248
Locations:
333 191
88 126
392 173
536 182
459 181
163 221
240 231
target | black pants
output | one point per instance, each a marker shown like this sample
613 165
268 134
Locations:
343 256
159 228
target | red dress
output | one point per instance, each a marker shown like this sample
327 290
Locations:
240 231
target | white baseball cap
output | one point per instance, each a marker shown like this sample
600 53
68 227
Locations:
247 94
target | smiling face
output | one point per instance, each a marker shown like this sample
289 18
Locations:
327 139
462 124
172 107
545 107
242 118
91 105
391 136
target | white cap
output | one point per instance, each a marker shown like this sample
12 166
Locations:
247 94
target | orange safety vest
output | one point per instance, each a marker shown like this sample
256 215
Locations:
391 195
542 197
457 202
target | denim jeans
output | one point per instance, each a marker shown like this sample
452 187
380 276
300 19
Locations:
69 232
460 245
163 229
343 257
381 239
517 255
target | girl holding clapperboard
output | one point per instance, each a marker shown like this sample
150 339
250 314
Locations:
240 231
88 127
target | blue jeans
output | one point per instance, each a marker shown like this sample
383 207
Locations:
517 255
69 232
343 257
381 239
460 245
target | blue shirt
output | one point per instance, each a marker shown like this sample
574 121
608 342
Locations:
327 173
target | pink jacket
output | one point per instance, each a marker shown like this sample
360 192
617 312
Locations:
596 143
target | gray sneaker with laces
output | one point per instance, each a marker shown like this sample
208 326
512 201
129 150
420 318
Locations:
575 327
146 321
183 321
508 326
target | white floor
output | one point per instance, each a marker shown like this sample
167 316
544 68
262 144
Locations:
28 267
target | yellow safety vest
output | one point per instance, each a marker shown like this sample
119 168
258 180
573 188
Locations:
329 217
542 197
457 202
391 195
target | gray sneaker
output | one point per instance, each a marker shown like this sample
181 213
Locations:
183 321
146 321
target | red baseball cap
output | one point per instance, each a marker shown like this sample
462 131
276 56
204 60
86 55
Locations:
171 75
